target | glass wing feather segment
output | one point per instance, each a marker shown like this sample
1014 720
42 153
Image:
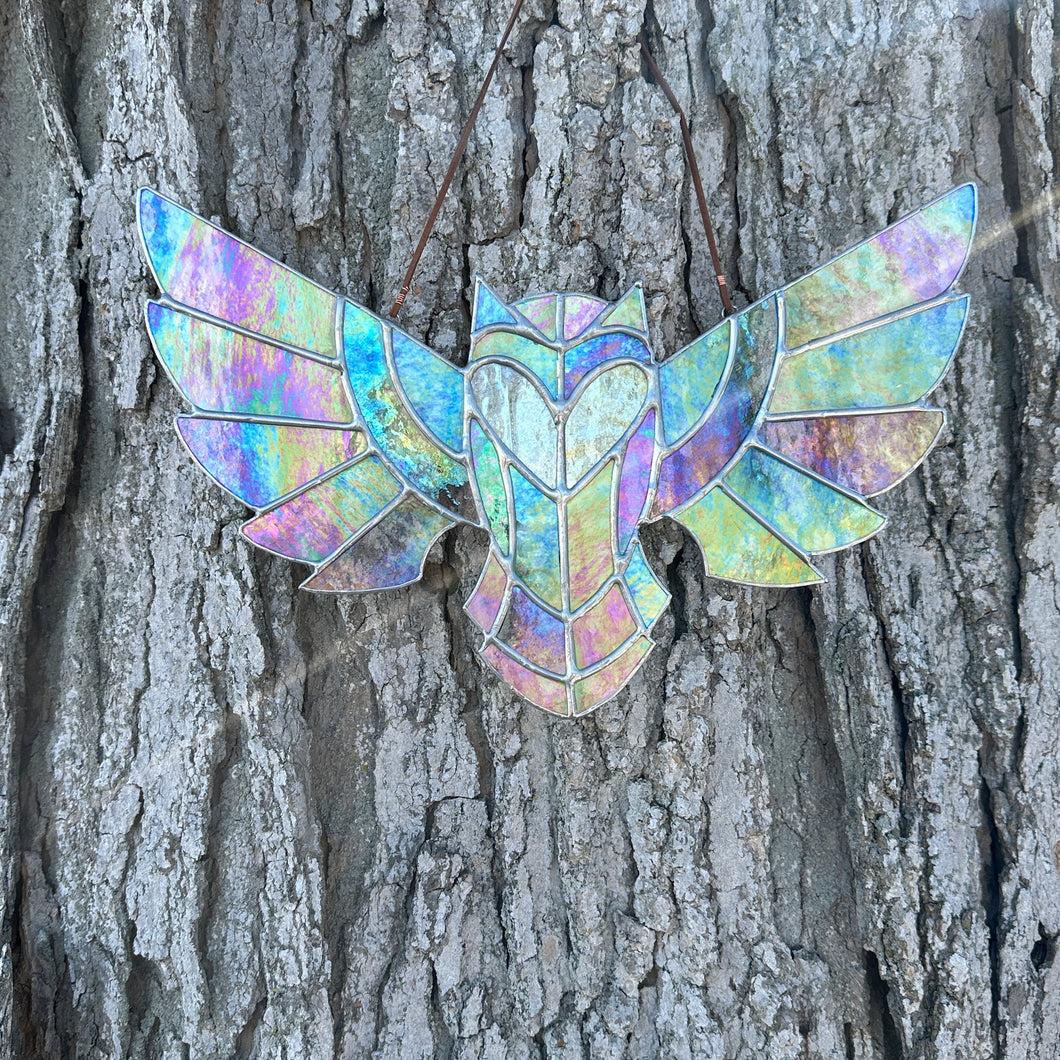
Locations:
211 272
261 354
780 422
410 399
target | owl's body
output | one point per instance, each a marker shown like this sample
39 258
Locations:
562 403
359 446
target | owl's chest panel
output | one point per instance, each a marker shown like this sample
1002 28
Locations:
557 444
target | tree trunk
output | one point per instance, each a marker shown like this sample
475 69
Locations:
248 821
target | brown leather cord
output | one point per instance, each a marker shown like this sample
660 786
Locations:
458 154
465 136
686 136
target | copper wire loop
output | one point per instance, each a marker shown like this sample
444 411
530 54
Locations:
465 136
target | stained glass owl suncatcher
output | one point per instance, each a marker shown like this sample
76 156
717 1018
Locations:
358 447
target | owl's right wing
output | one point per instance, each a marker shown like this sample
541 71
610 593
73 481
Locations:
781 421
344 434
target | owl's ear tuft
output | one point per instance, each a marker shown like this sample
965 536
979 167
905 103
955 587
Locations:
628 311
488 309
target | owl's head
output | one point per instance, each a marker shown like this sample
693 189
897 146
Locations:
560 338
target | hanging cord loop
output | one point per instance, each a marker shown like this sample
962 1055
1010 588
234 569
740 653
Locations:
458 154
690 154
465 136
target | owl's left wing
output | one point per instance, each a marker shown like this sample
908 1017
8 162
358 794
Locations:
344 434
780 422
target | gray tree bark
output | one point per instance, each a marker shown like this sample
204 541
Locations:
247 821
